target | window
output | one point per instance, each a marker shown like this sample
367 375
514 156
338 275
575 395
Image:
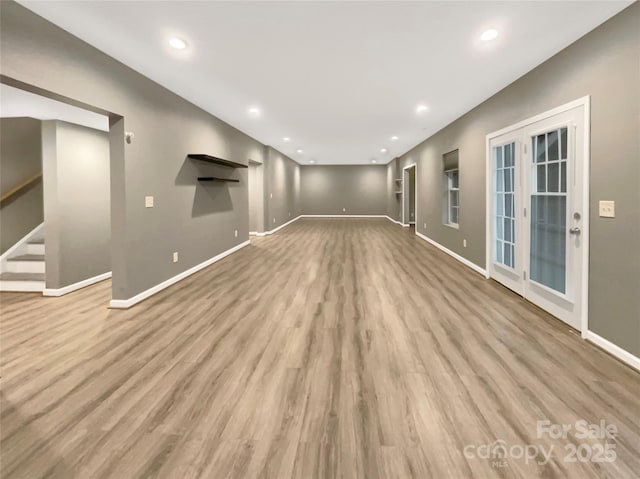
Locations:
451 199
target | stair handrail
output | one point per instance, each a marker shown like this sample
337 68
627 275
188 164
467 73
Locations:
20 187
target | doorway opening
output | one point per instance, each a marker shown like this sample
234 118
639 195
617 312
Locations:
55 213
409 196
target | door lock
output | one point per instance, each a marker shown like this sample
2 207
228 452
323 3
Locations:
575 231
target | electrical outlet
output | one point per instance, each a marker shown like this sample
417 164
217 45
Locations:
464 243
289 214
344 210
148 201
425 226
236 233
274 220
175 256
607 209
271 195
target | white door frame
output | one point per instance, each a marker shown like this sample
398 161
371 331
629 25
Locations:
580 102
415 195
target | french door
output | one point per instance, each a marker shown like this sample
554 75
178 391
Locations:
537 209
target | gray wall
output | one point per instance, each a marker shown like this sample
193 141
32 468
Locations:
196 220
606 65
327 189
281 189
20 159
76 203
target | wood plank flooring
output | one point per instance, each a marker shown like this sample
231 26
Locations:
336 348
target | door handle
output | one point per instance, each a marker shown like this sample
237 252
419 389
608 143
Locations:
575 231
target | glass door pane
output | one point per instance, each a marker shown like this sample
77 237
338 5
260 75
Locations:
548 248
504 200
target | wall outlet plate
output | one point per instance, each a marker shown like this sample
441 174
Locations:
236 233
148 201
607 209
175 256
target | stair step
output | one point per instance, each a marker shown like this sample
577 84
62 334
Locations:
22 282
21 276
26 263
35 247
28 257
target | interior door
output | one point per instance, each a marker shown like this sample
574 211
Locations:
555 209
506 264
536 212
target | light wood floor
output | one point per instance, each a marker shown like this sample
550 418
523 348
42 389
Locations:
335 348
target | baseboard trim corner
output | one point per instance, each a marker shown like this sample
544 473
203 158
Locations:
76 286
464 261
616 351
127 303
392 220
274 230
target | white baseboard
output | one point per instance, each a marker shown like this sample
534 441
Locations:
21 242
622 354
392 220
464 261
344 216
127 303
76 286
279 227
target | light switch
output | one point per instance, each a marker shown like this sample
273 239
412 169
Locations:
607 209
148 201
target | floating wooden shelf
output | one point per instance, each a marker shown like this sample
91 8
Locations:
217 161
222 180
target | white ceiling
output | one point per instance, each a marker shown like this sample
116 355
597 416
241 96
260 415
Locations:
19 103
338 78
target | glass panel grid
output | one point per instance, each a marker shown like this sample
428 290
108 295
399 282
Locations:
549 210
504 200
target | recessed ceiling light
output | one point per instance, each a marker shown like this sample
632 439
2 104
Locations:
312 161
489 35
421 108
177 43
383 150
254 111
299 151
373 161
286 138
394 138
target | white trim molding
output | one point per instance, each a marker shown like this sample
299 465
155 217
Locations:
270 232
127 303
616 351
464 261
76 286
393 221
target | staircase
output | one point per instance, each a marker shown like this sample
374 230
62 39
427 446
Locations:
22 267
